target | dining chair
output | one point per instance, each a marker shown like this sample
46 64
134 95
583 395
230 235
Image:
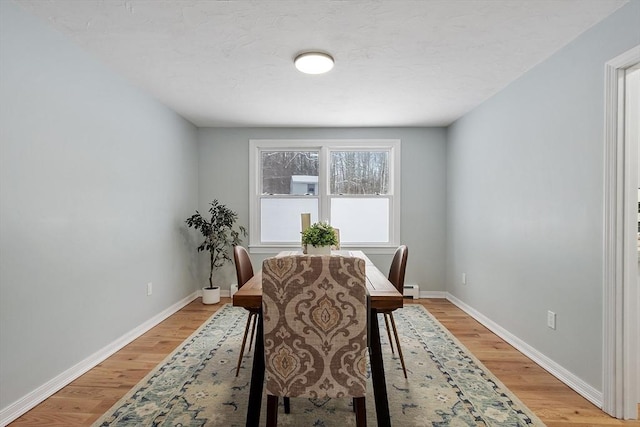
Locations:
314 310
396 276
244 272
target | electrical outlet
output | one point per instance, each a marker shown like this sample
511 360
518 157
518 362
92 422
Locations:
551 319
464 278
149 288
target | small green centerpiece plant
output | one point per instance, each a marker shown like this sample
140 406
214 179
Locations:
319 234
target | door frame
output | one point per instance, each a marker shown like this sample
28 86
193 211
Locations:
620 310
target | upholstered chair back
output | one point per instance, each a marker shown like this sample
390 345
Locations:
315 326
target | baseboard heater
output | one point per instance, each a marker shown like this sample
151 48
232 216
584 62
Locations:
412 291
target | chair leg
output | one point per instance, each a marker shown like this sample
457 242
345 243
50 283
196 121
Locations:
287 405
272 411
244 341
361 411
386 322
253 329
395 332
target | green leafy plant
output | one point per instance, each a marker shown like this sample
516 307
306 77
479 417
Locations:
319 234
219 234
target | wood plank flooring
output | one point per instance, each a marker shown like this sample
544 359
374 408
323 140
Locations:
87 398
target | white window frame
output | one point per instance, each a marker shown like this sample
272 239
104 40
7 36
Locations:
324 146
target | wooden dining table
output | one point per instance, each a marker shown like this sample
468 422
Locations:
382 295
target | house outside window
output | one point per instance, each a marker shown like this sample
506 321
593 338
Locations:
352 184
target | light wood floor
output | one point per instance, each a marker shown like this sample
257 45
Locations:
87 398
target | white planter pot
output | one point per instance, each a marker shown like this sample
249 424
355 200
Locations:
211 295
318 250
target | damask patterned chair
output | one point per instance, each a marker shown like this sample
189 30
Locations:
244 272
315 330
396 276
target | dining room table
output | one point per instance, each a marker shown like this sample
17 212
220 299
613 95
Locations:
381 295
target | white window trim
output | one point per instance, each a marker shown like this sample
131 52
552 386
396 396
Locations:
393 145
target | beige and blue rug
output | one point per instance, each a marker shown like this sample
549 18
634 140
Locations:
447 385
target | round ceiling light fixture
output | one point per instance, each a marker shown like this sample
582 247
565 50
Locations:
313 62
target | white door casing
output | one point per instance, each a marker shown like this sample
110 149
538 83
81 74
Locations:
620 299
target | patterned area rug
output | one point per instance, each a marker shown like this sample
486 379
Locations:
447 385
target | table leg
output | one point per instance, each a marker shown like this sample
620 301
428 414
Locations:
377 372
257 377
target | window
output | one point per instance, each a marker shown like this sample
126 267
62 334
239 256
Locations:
352 184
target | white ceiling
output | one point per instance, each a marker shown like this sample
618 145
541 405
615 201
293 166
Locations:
398 63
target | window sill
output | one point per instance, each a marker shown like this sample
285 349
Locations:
273 250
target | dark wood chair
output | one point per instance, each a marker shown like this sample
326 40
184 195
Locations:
244 272
315 330
396 276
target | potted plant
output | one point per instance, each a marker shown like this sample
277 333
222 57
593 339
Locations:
219 237
319 238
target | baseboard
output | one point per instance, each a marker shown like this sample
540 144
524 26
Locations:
585 390
433 294
32 399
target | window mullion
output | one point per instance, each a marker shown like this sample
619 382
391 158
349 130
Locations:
323 179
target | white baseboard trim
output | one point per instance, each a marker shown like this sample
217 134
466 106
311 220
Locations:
433 294
585 390
33 398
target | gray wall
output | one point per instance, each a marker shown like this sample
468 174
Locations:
96 179
224 174
525 200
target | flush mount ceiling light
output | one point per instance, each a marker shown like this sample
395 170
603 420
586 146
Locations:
313 62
